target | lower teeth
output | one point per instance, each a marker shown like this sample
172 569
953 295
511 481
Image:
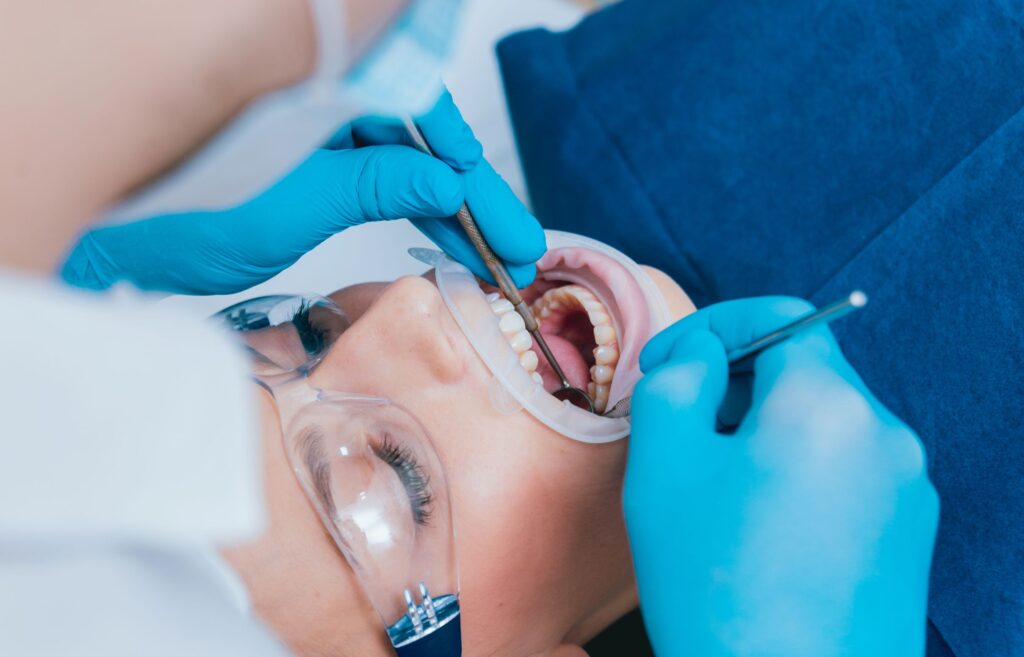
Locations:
606 354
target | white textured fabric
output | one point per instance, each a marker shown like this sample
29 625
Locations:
128 448
126 601
122 420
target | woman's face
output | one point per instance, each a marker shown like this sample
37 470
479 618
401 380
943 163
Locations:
542 545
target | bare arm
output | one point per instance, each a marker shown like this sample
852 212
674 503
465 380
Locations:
100 96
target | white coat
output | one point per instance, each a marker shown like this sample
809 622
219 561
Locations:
128 450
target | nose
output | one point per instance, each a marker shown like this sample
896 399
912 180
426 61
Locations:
409 331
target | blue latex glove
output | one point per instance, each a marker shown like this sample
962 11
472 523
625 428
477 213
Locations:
339 186
808 532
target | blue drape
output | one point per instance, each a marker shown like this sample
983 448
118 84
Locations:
806 148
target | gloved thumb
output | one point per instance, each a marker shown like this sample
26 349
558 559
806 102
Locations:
673 437
448 134
736 323
688 387
394 182
88 266
673 417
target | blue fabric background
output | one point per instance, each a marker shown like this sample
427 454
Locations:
805 148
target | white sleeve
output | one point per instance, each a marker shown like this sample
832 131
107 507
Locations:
126 601
122 421
128 449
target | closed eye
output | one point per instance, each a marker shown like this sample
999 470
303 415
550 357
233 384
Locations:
312 337
311 446
412 476
415 480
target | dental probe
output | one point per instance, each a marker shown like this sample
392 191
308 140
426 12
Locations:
566 391
854 301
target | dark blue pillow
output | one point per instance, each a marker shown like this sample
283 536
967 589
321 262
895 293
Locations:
809 148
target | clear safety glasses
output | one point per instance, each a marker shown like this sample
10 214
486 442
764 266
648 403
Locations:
368 467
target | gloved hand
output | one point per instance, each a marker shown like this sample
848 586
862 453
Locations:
808 532
339 186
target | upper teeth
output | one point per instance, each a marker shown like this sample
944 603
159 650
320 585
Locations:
514 329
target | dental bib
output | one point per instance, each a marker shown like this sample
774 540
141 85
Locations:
512 387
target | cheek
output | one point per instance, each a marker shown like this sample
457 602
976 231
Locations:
678 302
506 553
541 537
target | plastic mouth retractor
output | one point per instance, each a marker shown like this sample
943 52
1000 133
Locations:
512 387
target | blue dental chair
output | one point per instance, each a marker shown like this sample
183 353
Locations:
806 148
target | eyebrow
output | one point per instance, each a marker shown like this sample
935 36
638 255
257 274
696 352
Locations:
311 447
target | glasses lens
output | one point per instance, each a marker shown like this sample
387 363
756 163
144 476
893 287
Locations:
372 474
286 334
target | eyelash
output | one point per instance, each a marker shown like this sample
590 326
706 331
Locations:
312 338
415 480
316 461
401 460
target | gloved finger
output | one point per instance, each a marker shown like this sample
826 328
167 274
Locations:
88 266
689 385
510 228
378 131
338 189
449 135
673 418
736 323
395 182
343 139
803 386
515 235
447 233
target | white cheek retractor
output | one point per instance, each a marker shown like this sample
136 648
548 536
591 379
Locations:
513 388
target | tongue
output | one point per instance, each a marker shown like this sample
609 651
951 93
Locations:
568 356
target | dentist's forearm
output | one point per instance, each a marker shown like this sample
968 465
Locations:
101 96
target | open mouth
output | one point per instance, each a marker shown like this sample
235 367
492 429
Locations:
594 317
